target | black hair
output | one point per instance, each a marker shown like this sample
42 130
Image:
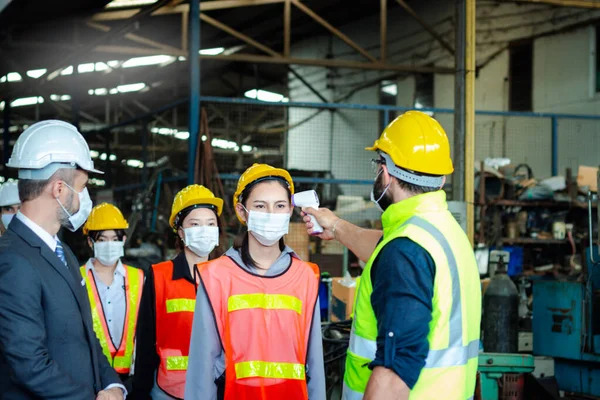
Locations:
416 189
94 235
241 241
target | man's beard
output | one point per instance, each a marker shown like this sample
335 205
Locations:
62 216
378 189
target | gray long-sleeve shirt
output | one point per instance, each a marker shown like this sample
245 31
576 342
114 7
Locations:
207 360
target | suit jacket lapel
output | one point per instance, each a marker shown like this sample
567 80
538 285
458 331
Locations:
71 276
35 241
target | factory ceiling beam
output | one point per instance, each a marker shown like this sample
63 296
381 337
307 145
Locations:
426 26
561 3
383 30
254 58
183 8
333 30
66 59
287 27
132 36
238 35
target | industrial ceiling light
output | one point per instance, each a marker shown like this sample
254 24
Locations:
60 97
132 87
265 95
97 182
391 89
134 163
129 3
36 73
148 60
182 135
27 101
11 77
212 52
67 71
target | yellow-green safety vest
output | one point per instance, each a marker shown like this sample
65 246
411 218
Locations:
451 365
119 355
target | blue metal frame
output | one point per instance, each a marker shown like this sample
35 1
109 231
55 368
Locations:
554 146
196 99
194 113
379 107
156 202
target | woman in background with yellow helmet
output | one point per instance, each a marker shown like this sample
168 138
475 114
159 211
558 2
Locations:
114 289
165 322
257 330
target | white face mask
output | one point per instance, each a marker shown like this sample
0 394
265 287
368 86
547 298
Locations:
201 239
373 199
6 218
268 228
77 219
108 253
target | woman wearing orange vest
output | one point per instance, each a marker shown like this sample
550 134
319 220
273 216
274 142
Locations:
257 329
168 301
114 290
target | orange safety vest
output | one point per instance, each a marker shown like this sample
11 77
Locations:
175 303
264 324
120 358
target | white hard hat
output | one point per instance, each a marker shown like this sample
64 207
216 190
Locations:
9 194
48 146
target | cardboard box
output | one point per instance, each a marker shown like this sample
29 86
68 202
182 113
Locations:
298 239
342 300
588 176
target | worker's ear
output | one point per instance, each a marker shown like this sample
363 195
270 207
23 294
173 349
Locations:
241 212
443 182
57 187
90 243
181 234
386 178
124 238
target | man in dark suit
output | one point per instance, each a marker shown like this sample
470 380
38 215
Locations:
48 348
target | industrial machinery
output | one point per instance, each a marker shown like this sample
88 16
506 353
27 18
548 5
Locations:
502 376
566 321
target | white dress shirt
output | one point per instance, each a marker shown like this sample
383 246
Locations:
114 301
51 241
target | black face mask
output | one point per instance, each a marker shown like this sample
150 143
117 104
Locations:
378 188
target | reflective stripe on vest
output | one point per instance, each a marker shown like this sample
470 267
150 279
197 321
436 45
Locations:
177 363
362 349
120 358
456 353
277 312
264 301
274 370
180 305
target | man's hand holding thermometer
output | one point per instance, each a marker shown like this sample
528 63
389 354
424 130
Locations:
310 199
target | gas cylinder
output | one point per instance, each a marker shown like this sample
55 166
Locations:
501 315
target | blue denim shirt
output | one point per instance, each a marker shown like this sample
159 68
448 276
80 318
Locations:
403 277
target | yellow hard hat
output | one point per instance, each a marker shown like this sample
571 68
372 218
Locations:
105 217
416 142
256 172
193 195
